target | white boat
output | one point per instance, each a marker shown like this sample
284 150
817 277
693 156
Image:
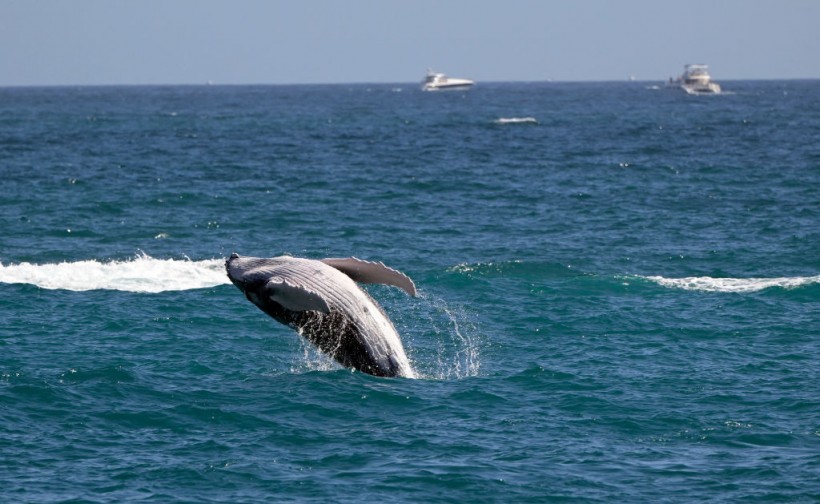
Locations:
438 81
695 80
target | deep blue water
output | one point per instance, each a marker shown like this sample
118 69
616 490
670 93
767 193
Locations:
619 293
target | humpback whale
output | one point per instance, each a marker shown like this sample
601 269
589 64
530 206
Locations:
321 301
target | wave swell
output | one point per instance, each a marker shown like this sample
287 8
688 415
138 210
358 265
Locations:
710 284
142 274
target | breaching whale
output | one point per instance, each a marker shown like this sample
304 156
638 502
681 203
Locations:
320 299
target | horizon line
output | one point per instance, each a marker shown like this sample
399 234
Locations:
383 83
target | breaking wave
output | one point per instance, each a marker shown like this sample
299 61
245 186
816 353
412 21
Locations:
142 274
710 284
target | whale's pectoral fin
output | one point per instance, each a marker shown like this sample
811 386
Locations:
294 297
372 272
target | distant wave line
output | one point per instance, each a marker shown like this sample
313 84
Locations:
516 120
742 285
142 274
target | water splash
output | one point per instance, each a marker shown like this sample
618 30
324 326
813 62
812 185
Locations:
142 274
311 358
447 347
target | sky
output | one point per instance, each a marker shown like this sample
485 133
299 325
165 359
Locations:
108 42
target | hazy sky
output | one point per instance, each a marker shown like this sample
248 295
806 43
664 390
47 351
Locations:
48 42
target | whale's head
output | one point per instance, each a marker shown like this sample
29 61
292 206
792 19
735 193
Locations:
236 269
247 273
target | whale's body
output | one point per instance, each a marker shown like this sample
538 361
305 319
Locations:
320 299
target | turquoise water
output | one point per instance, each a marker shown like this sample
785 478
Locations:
619 293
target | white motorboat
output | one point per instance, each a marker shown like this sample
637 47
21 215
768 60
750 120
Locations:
438 81
695 80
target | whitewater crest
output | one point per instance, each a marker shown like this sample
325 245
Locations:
710 284
142 274
516 120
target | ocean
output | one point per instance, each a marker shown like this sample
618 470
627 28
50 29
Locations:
618 293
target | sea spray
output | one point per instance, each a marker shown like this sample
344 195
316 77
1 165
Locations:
445 344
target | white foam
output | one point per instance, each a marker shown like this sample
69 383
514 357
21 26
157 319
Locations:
142 274
516 120
710 284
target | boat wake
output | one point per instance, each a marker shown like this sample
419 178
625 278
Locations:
742 285
142 274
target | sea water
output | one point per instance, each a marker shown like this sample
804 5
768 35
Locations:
619 293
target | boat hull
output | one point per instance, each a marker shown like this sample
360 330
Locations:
446 87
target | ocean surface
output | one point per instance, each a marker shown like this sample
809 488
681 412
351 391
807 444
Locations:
619 293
